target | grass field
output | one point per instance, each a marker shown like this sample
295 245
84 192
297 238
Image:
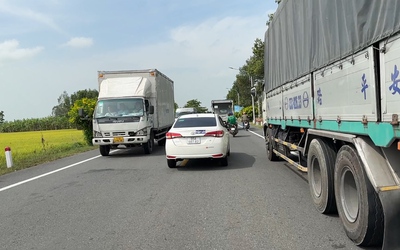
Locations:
32 148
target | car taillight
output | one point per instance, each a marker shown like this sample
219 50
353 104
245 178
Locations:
218 133
171 135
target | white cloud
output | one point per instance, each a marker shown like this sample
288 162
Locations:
79 42
197 57
30 14
9 50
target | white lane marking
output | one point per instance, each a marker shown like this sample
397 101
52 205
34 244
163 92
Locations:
252 132
256 134
49 173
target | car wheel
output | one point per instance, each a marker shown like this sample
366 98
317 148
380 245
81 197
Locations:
161 142
224 161
171 163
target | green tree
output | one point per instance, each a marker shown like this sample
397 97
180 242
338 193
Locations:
176 106
86 93
65 102
194 103
88 105
64 105
252 71
1 116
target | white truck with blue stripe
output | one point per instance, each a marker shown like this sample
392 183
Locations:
332 98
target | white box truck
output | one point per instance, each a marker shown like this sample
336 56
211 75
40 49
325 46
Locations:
134 108
222 108
333 103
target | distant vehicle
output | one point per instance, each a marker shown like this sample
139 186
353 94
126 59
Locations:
222 108
233 129
195 136
184 111
333 104
146 102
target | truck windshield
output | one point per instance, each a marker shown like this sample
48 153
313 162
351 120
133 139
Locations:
119 107
223 108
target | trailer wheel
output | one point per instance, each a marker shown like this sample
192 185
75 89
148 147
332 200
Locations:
149 145
358 204
171 163
270 146
320 169
104 150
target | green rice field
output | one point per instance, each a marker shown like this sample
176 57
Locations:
32 148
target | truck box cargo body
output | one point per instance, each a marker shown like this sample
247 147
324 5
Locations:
145 99
332 94
222 108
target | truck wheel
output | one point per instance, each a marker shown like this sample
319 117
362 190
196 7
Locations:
148 146
358 204
270 146
171 163
320 169
104 150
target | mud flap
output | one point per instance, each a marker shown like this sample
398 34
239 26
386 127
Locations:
391 208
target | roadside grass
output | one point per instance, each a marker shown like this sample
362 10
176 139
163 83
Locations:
32 148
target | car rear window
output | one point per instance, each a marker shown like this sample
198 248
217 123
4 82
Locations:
196 122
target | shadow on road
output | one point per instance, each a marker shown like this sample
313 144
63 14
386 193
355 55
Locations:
236 160
136 152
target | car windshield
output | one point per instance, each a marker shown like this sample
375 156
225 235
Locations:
196 122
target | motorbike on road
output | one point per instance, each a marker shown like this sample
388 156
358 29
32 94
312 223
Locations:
233 129
246 125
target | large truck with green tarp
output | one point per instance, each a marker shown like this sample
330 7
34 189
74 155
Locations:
332 98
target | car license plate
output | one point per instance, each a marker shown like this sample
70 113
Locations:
194 140
118 139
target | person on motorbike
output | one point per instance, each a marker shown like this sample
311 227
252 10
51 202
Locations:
232 119
244 119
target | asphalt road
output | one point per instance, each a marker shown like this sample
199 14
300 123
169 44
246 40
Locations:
134 201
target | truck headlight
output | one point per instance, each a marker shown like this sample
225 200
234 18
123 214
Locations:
142 132
97 134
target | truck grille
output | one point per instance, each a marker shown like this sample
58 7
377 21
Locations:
114 134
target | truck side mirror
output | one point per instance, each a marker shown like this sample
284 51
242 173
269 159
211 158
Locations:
151 109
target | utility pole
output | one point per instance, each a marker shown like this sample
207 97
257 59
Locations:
251 86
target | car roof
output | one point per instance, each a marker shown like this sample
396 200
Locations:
197 115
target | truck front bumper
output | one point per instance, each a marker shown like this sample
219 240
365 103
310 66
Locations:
119 140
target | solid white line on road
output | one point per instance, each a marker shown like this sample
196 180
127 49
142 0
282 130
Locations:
252 132
49 173
256 134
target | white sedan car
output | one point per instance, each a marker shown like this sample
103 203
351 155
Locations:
196 136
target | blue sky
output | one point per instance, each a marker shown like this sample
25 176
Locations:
51 46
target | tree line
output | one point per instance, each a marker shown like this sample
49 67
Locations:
59 118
